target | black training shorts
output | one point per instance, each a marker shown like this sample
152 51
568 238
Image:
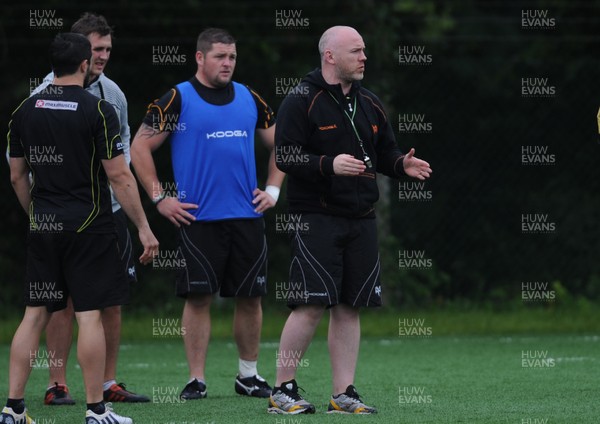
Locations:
334 260
229 257
125 247
81 265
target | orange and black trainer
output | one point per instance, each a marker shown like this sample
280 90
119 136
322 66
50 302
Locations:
58 395
118 393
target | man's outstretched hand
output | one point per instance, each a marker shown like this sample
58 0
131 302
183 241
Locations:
415 167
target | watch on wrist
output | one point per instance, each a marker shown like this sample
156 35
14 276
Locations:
157 199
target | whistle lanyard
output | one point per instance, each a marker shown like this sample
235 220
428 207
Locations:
366 158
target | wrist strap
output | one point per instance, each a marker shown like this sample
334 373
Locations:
156 200
273 191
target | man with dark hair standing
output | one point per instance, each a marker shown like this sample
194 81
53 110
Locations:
342 134
65 148
211 121
59 331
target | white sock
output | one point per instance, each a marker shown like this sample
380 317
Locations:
248 368
108 383
200 380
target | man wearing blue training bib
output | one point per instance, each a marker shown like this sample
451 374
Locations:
210 122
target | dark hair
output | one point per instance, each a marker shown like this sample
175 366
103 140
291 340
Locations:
90 22
67 51
210 36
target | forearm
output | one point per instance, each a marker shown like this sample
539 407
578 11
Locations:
19 178
22 188
275 176
143 163
125 188
145 142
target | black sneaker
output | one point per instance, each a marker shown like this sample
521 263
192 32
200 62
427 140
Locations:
118 393
193 390
255 386
58 395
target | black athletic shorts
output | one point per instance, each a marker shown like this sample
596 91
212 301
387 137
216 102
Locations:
335 260
125 246
229 257
81 265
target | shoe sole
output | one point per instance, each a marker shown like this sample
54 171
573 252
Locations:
273 410
60 403
203 395
334 411
126 400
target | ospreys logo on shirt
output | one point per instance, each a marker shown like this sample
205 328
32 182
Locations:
56 104
226 134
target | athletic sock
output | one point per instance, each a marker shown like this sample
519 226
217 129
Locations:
247 368
97 408
108 384
17 405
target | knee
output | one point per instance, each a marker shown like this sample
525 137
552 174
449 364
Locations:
344 312
198 302
309 313
248 304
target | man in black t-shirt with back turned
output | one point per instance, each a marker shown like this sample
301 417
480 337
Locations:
69 141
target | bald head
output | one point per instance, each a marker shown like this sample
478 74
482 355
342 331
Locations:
342 51
333 38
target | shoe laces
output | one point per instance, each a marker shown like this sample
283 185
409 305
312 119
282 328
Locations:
353 395
292 395
59 387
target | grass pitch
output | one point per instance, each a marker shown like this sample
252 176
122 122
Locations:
432 379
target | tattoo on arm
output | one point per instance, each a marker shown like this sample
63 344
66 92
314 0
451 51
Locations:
146 131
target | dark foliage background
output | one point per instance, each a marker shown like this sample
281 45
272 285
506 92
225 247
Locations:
470 230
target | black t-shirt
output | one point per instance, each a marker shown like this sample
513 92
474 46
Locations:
64 132
163 113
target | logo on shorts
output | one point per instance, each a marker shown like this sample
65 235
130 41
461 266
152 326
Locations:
378 290
261 280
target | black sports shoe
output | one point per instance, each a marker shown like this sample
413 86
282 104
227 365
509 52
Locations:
58 395
193 390
255 386
118 393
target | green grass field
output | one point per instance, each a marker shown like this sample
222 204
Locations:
438 379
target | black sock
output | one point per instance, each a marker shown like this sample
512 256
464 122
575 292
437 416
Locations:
97 408
17 405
